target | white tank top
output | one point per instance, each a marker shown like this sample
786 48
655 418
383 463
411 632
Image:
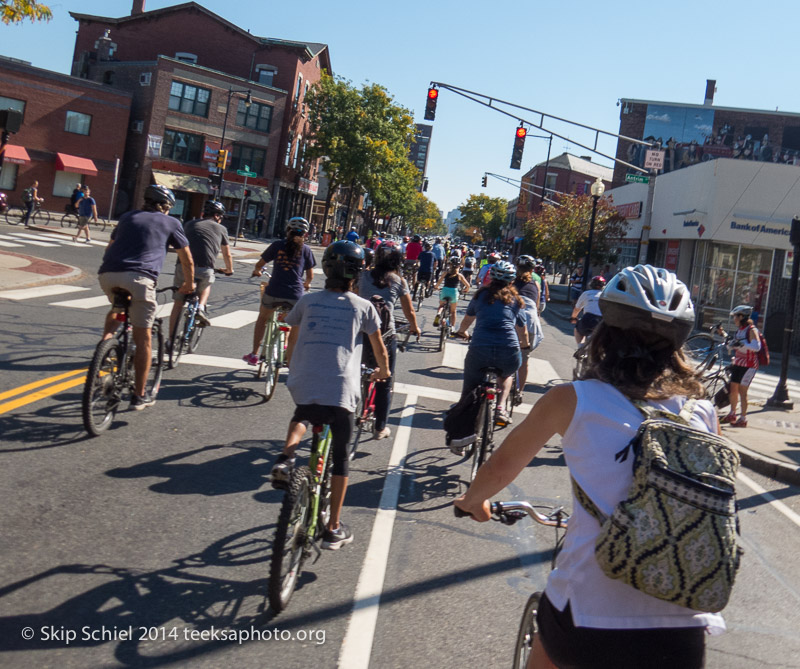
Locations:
604 423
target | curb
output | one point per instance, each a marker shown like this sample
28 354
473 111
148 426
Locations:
769 467
74 274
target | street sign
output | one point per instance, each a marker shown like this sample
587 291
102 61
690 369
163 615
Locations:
245 173
637 178
654 160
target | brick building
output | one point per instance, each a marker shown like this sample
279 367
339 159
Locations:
72 131
194 58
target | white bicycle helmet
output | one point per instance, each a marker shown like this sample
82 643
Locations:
744 309
297 224
503 271
650 299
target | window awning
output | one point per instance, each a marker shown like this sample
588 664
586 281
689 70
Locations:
68 163
195 184
16 154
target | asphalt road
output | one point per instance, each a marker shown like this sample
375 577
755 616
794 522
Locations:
163 526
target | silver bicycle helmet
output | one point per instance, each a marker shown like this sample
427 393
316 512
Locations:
503 271
525 263
744 309
297 224
650 299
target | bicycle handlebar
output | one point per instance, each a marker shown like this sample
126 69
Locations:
509 513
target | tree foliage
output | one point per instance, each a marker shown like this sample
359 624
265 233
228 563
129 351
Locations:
425 219
16 11
561 232
482 218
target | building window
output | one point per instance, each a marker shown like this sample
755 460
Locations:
182 147
265 74
12 103
186 57
298 90
8 177
288 158
550 184
108 77
189 99
248 155
145 78
298 155
626 252
78 123
257 117
64 183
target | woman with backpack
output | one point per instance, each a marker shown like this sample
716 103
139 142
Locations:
386 282
746 345
585 618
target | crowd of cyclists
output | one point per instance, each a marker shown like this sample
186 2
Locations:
638 324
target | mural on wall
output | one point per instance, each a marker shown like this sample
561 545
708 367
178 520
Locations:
688 136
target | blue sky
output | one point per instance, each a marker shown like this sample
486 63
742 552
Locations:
569 59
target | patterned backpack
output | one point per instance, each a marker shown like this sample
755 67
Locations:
674 537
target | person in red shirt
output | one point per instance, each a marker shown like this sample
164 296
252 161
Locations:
746 345
414 248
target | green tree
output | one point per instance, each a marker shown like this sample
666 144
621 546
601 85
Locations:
16 11
482 218
561 232
425 219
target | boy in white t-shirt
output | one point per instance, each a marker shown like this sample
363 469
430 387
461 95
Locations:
589 304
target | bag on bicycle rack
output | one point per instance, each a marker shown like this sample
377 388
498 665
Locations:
387 332
674 537
459 421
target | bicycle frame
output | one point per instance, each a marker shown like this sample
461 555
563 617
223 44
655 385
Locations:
318 464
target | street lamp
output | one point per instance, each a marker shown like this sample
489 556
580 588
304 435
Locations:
247 102
597 190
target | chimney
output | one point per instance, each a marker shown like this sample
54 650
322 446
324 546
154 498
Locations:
105 47
711 88
138 7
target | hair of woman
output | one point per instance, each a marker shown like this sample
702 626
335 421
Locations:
500 290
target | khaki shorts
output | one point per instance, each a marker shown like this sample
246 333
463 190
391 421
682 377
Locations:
143 295
83 221
203 278
269 302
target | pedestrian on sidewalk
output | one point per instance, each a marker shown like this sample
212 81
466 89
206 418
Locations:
30 197
87 209
77 194
746 345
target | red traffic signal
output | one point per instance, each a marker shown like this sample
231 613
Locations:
519 145
430 105
521 132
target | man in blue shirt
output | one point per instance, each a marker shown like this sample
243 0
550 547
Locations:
87 208
352 236
426 261
438 254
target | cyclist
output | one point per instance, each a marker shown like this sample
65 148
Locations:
425 270
451 280
30 198
369 257
576 284
207 236
500 331
469 266
132 261
586 619
525 284
386 281
588 303
545 287
324 352
411 252
438 254
352 236
746 345
292 258
484 278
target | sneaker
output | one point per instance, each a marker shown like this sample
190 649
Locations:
730 418
382 434
501 418
742 422
202 319
334 539
282 471
250 359
436 321
139 402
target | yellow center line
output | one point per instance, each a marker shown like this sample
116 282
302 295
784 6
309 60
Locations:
41 394
40 383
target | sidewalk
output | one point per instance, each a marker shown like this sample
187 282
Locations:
22 271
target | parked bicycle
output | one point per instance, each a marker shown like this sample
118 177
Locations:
304 514
111 376
509 513
39 216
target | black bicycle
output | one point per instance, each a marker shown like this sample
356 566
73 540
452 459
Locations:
185 337
445 327
111 377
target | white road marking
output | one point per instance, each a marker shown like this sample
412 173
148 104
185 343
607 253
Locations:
97 243
216 361
84 303
235 319
777 504
19 237
10 244
40 291
357 643
247 261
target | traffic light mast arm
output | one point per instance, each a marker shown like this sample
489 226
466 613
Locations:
469 95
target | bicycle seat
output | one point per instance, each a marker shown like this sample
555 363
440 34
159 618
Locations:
283 306
491 370
122 298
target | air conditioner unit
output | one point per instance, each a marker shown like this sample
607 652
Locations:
144 78
137 126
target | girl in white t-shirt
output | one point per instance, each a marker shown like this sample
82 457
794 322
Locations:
585 618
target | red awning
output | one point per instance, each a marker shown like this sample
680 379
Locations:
16 154
67 163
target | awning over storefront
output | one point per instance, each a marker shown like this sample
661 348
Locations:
195 184
16 154
68 163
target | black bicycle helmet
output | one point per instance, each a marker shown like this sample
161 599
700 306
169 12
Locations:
214 207
525 263
369 256
389 250
649 299
298 225
343 260
159 194
416 238
455 261
426 246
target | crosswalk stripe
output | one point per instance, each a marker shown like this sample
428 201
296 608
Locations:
235 319
216 361
33 242
247 261
83 303
10 245
40 291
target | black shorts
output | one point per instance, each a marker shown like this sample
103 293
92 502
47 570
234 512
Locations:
341 422
587 323
663 648
424 277
742 375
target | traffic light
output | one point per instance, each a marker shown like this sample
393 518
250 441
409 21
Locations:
222 159
247 192
430 105
483 181
519 145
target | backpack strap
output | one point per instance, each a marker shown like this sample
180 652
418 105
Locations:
586 502
651 412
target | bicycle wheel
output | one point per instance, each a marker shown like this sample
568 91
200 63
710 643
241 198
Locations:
194 338
41 217
15 215
271 367
101 223
528 629
69 221
698 348
483 425
442 333
364 417
156 360
178 340
420 296
291 536
101 392
713 383
263 354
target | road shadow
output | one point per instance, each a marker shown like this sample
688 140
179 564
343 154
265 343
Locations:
235 388
450 375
